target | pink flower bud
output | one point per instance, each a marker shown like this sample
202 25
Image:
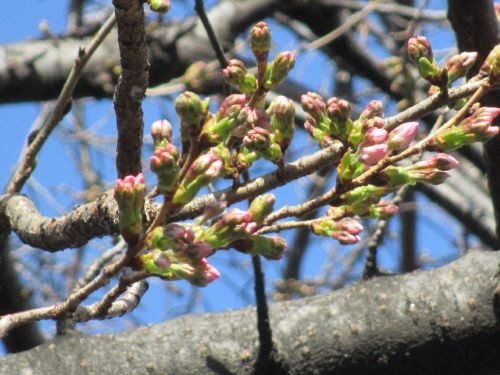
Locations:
232 100
235 72
419 47
373 109
160 259
375 136
338 109
349 225
257 139
371 155
457 66
161 130
260 39
314 105
401 137
443 162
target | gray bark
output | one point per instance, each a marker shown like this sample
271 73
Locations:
442 321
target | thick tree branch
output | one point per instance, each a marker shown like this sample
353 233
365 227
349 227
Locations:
410 324
35 70
131 86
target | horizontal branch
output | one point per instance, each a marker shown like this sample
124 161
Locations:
100 218
442 321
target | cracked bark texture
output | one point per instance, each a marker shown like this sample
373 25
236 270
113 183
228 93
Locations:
433 322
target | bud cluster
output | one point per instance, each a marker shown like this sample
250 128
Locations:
345 231
476 128
129 194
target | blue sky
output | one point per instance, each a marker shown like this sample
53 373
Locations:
57 173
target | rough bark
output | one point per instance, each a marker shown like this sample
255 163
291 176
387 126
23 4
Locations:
443 321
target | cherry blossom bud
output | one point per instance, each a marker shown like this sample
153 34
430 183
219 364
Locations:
282 111
457 66
129 195
278 70
345 230
443 162
239 100
374 136
213 209
260 39
339 111
373 109
204 274
192 111
382 210
160 6
164 165
160 259
262 206
419 47
161 130
205 169
371 155
475 128
401 137
491 65
270 247
236 74
199 249
314 105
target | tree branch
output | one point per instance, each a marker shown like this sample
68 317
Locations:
409 324
131 86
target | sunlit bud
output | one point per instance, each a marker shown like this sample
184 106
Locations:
475 128
419 47
173 236
373 109
236 74
374 136
282 111
345 230
239 100
129 195
491 64
401 137
262 206
205 169
371 155
192 111
164 164
270 247
314 105
218 129
257 139
338 109
161 130
160 6
457 66
278 70
260 39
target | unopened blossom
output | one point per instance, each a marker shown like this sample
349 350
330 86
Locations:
161 131
129 194
401 137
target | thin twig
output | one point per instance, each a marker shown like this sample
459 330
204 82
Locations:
216 46
26 166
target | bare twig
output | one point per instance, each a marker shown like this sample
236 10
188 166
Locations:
26 166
